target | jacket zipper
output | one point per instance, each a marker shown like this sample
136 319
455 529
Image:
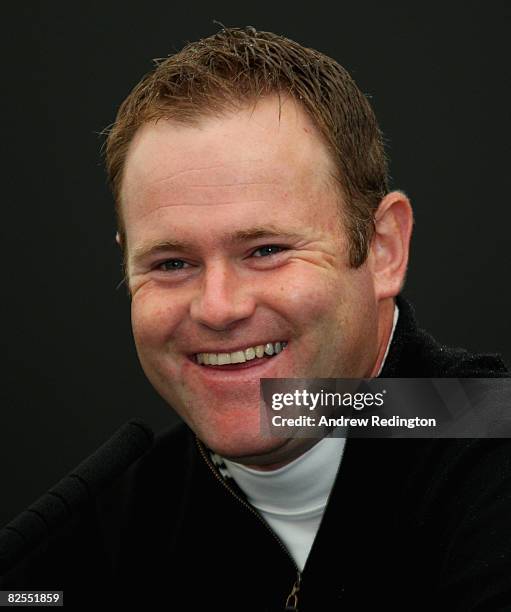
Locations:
292 598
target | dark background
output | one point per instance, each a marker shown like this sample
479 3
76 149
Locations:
440 84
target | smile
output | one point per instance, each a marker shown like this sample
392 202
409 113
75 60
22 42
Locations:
241 356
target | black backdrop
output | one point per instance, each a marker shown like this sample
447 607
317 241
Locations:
439 80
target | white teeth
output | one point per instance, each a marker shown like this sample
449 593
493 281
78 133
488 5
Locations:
238 357
259 351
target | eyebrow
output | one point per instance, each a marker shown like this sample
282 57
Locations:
238 237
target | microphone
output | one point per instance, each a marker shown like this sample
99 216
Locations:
53 509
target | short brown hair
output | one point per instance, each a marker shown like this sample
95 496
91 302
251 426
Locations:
238 65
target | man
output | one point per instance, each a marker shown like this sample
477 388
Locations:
260 240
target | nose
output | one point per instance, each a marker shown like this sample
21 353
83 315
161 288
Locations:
223 298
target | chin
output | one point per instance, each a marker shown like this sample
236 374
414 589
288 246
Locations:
245 447
281 453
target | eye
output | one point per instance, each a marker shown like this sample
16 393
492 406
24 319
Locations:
170 265
266 250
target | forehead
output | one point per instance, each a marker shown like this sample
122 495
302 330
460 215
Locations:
254 152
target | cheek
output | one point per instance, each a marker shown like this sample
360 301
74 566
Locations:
308 296
154 317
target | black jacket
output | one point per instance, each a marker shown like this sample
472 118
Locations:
410 523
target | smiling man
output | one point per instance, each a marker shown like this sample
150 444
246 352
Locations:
238 268
260 240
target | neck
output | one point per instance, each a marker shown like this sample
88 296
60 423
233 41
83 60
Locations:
294 448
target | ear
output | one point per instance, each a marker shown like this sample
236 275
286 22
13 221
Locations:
388 254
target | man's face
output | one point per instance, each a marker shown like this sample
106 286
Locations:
248 250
